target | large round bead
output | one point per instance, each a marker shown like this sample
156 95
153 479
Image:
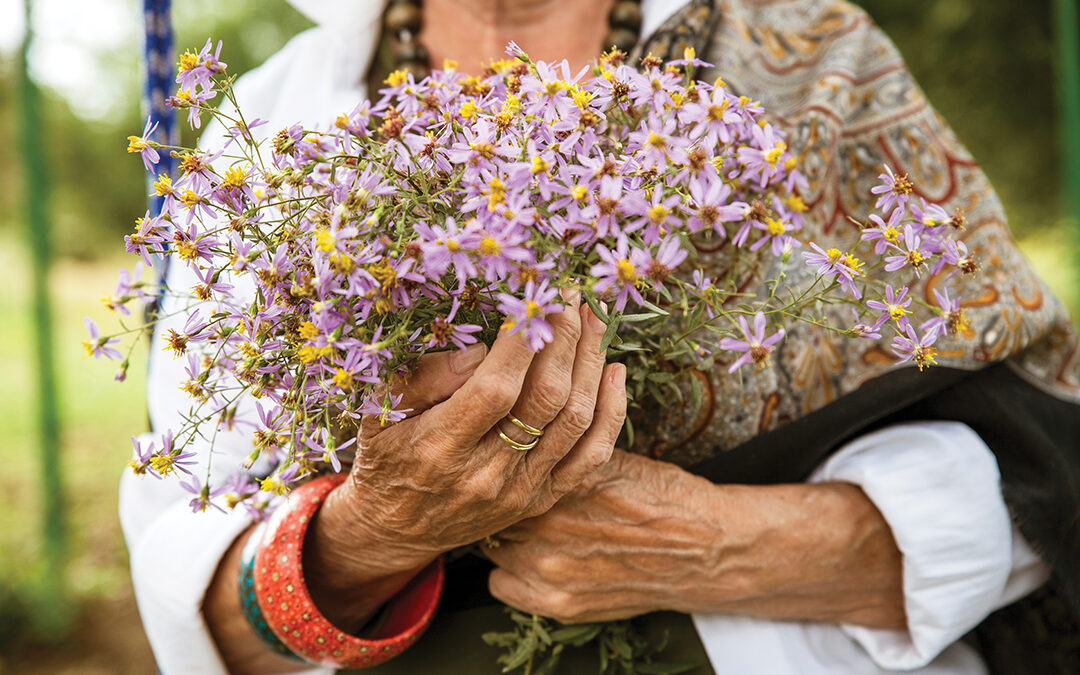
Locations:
626 14
403 16
624 39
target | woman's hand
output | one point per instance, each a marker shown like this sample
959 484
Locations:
443 477
644 536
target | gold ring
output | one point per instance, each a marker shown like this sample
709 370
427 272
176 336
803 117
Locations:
524 447
531 430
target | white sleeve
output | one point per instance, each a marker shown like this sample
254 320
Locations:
938 487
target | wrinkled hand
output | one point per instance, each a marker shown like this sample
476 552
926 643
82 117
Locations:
443 478
645 536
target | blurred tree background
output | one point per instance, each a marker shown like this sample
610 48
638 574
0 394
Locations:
985 64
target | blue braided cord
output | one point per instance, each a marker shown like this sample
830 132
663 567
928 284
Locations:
160 84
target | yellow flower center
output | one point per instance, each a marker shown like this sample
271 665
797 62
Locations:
190 199
187 61
163 185
659 213
626 273
469 109
775 227
716 112
325 240
187 250
539 165
489 246
397 78
496 193
834 255
655 141
853 263
581 97
916 257
308 331
773 156
532 309
485 150
795 203
343 379
235 177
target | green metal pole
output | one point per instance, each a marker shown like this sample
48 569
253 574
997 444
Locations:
53 613
1066 30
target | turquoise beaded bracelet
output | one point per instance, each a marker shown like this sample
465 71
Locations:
249 603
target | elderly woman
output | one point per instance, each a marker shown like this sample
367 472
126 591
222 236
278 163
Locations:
832 512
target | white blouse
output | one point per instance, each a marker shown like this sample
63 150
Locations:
936 483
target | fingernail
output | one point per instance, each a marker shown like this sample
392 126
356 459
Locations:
463 362
570 295
595 323
618 375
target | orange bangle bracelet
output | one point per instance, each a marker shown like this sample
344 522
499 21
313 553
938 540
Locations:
292 615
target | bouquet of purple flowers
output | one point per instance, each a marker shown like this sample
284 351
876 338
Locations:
330 259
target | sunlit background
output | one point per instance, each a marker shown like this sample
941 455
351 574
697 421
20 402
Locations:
988 65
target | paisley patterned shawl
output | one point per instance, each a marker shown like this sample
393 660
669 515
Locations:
838 86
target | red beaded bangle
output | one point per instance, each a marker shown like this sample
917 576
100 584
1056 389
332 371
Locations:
287 606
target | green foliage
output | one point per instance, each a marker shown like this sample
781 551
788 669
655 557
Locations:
535 646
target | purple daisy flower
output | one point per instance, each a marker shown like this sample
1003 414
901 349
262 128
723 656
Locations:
203 495
756 347
618 269
669 255
884 234
913 255
527 314
98 346
895 306
144 146
895 190
911 348
950 320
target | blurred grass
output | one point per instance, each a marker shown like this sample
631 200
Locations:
98 415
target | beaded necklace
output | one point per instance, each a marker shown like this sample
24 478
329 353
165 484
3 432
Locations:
404 18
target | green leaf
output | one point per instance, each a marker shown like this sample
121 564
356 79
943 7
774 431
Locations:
576 635
595 306
631 318
541 631
622 647
609 334
499 639
656 310
525 650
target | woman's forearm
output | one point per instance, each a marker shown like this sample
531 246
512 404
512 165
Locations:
819 552
240 648
649 536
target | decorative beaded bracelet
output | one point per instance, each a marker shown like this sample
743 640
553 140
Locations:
249 604
291 614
